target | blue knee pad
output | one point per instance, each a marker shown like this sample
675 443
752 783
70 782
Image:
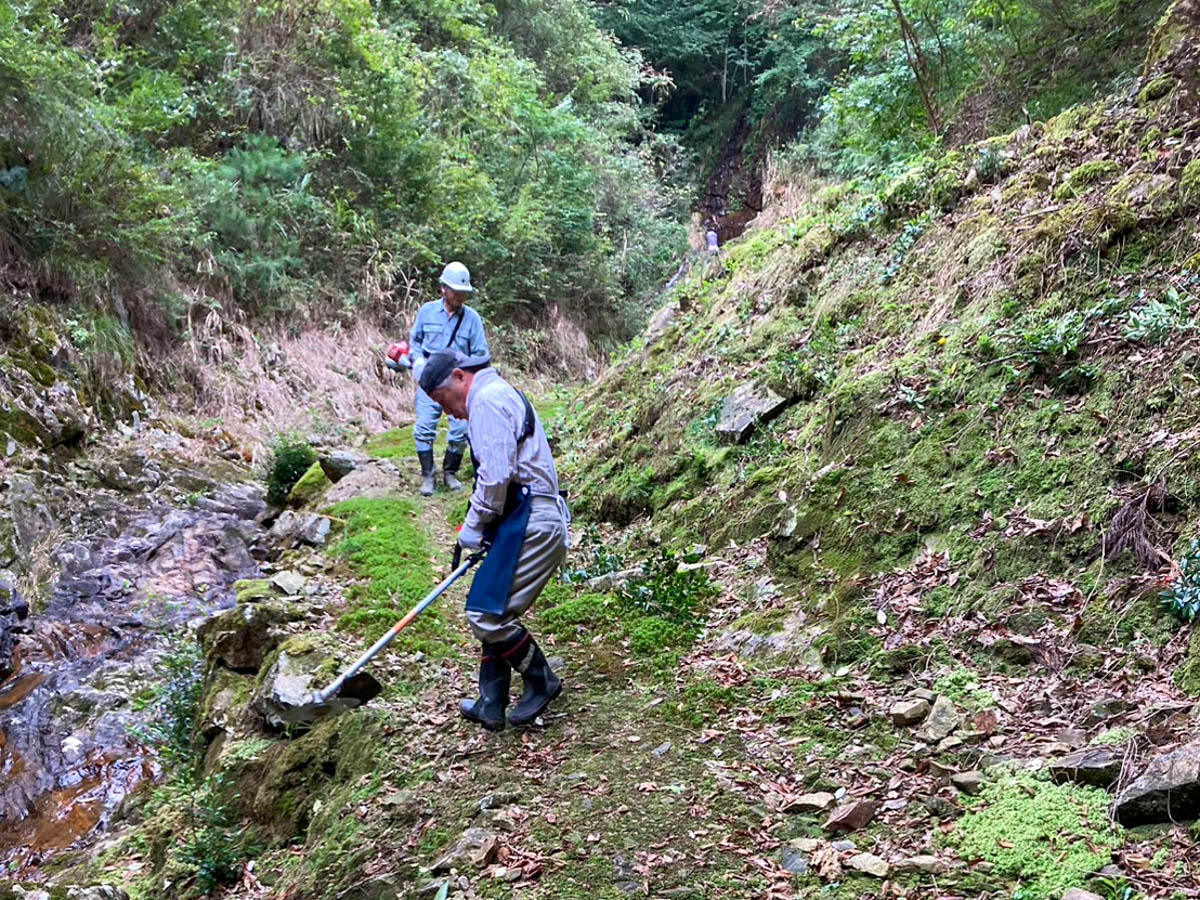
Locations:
425 429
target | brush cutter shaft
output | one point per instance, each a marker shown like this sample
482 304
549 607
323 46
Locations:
331 691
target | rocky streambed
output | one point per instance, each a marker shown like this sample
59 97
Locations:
133 578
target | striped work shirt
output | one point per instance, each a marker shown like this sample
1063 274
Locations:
495 423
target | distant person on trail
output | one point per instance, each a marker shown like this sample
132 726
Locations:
441 324
517 511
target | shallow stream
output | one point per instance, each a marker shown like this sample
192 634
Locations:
75 710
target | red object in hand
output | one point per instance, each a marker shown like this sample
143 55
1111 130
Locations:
397 350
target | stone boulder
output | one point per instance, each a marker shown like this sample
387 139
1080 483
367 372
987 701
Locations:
943 719
303 666
340 463
130 472
374 480
1095 766
748 406
1168 790
293 529
241 638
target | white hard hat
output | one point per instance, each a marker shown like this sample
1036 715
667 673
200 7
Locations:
457 277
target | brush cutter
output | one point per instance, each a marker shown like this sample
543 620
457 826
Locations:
326 701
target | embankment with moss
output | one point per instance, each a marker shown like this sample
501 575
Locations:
991 357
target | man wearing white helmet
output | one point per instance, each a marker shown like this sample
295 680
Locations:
447 323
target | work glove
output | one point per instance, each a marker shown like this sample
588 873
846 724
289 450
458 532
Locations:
470 538
418 368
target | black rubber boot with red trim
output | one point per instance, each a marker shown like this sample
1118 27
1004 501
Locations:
541 684
495 676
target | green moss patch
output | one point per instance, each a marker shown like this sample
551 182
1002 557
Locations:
386 544
1081 176
1046 837
310 488
391 444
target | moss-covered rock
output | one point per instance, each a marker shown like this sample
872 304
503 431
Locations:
1177 29
1189 182
1084 175
310 488
250 590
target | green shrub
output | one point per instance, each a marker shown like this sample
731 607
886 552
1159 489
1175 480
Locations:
211 847
290 457
176 700
1182 598
669 590
1158 319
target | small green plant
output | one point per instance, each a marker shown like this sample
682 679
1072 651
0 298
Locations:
212 847
600 559
176 703
1158 319
670 589
1182 598
908 238
290 458
989 165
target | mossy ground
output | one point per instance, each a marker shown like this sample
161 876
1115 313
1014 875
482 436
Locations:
1049 837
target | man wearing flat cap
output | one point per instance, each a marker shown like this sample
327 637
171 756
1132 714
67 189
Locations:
517 510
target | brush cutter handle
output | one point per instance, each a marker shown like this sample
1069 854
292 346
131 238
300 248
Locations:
459 571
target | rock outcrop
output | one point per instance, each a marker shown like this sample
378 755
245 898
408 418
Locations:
1168 790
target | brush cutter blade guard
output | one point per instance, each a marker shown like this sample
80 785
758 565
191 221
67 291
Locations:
346 691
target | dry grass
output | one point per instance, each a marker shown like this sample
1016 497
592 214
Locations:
787 191
317 379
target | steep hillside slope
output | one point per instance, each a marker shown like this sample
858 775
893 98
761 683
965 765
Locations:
989 357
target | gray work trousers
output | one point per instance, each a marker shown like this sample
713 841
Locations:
543 551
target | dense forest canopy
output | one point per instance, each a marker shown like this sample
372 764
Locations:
860 84
292 160
295 158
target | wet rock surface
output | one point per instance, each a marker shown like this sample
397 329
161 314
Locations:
83 675
13 612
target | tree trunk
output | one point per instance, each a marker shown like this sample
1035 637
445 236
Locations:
917 61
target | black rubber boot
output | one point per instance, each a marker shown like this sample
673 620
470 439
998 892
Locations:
426 458
541 684
495 676
450 464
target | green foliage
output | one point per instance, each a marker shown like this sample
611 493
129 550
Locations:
671 589
272 163
210 847
945 67
1159 319
176 700
290 457
600 559
1182 598
1048 837
660 609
